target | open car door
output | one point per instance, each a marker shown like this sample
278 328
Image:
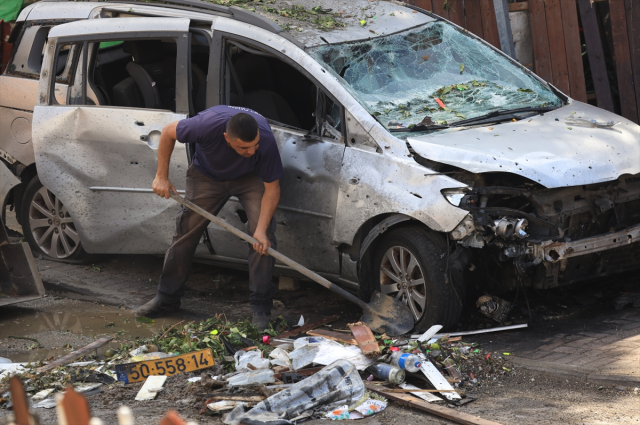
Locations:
98 153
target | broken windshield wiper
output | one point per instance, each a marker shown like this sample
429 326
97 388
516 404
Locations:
502 112
491 117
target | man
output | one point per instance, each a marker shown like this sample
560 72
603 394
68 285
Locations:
235 155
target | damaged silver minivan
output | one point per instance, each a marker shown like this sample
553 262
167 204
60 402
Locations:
420 160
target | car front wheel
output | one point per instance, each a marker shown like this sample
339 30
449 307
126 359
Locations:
48 226
410 264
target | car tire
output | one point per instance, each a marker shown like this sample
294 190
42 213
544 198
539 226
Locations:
426 288
48 226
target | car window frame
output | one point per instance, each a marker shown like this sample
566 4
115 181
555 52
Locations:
183 54
219 85
64 78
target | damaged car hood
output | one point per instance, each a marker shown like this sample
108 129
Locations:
544 148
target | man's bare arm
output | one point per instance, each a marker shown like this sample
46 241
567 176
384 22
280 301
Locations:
270 201
161 184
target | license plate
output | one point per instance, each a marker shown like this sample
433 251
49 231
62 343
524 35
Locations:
169 366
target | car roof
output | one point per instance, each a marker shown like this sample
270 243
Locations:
308 22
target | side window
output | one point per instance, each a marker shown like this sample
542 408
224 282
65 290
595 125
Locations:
128 73
256 79
135 73
27 60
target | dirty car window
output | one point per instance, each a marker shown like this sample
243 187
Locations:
400 78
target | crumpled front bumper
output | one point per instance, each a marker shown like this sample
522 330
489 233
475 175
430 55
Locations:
557 251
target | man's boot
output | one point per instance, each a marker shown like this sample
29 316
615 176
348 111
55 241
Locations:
155 308
261 320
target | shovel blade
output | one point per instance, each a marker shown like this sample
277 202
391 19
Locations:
388 315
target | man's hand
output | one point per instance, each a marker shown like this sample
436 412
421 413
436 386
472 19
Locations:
161 186
263 244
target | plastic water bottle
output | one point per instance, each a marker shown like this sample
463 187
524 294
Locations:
387 372
408 362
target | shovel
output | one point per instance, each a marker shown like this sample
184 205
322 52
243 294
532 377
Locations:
382 314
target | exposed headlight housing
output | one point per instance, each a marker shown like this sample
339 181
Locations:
454 196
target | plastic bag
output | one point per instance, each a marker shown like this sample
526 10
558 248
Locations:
280 358
253 358
252 377
333 386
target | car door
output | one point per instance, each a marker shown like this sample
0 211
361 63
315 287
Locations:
98 153
312 159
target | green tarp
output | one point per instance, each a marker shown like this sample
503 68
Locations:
9 9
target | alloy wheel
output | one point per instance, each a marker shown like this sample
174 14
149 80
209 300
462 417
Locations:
401 277
51 225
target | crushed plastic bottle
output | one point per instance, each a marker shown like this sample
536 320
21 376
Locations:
408 362
387 372
253 377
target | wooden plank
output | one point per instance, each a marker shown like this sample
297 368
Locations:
443 412
633 27
438 8
424 4
335 336
557 52
76 407
517 7
573 47
540 40
456 13
366 341
310 326
626 87
596 55
75 354
20 403
473 20
489 23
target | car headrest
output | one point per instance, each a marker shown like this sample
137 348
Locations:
144 51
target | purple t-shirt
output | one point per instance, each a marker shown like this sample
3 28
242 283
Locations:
215 159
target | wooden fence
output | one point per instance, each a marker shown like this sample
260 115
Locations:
559 28
477 16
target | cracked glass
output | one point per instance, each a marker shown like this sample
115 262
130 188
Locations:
433 74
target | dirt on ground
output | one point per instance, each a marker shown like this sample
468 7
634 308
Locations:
86 302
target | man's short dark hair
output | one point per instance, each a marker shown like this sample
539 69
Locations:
242 126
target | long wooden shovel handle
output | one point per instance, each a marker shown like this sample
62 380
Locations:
272 252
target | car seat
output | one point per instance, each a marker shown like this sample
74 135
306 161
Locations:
256 93
152 79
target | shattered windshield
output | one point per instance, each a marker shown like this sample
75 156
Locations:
433 74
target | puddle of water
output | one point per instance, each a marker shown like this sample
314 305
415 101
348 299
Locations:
63 322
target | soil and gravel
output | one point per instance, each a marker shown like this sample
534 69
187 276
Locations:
92 303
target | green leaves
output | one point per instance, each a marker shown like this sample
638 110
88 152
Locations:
363 22
461 68
526 90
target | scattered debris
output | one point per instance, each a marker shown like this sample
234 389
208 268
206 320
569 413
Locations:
387 373
76 354
366 341
308 327
479 331
494 307
443 412
335 385
334 336
151 387
625 299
